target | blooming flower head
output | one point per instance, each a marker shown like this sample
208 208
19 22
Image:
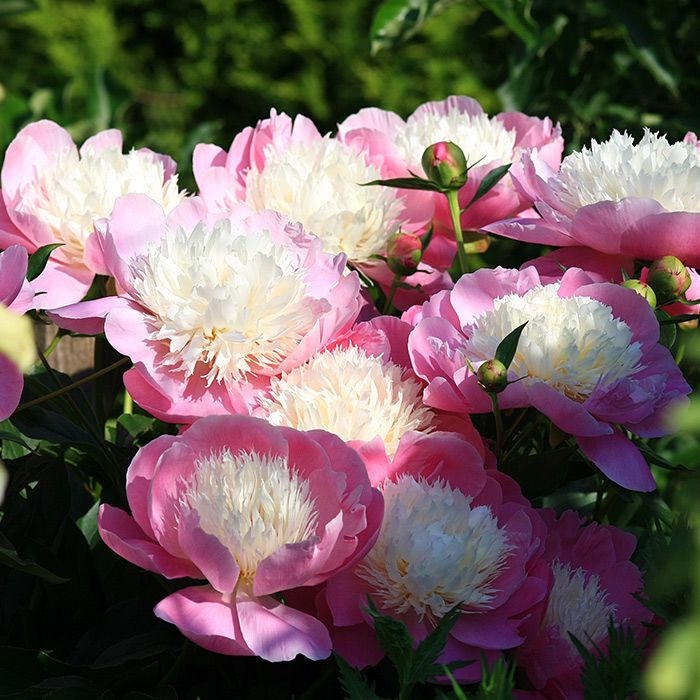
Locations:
618 197
487 142
211 304
253 511
593 581
17 350
361 388
453 534
53 193
588 358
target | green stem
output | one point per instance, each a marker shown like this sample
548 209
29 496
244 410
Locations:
53 344
128 403
499 424
392 293
453 201
74 385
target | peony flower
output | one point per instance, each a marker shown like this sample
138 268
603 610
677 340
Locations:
453 533
252 510
17 350
488 141
212 305
620 198
593 581
53 193
589 359
361 387
287 166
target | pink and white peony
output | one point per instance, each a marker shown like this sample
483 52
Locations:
453 532
620 198
53 193
211 305
289 167
593 580
16 297
490 141
589 359
252 510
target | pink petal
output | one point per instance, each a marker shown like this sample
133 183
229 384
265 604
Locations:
11 385
60 285
107 139
13 270
86 317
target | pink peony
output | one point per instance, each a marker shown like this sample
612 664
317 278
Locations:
593 579
287 166
16 295
210 306
452 532
362 388
53 193
589 359
505 138
253 510
617 197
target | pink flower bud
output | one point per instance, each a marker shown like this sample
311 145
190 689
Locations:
444 163
492 376
642 289
404 253
668 277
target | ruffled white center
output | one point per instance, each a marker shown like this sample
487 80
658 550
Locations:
318 184
619 168
434 550
253 504
574 344
577 606
480 137
225 302
349 393
78 190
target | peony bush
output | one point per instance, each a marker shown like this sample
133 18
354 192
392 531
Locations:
331 417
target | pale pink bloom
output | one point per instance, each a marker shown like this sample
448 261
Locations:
362 388
17 295
589 359
492 141
253 510
616 197
211 306
287 166
53 193
593 580
452 532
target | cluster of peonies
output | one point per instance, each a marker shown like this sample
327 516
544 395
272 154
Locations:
326 451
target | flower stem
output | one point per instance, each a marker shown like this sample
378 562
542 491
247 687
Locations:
499 423
392 293
74 385
453 201
128 403
53 344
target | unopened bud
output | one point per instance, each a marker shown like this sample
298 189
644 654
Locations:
403 253
492 376
668 277
642 289
445 164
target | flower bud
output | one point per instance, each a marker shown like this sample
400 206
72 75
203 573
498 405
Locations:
642 289
444 163
668 277
492 376
403 253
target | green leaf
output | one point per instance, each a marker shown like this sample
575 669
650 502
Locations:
136 424
490 180
497 682
505 352
88 525
396 21
38 260
394 638
515 14
353 682
406 183
9 557
459 693
667 328
16 7
424 657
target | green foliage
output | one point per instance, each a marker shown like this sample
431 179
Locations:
611 674
505 352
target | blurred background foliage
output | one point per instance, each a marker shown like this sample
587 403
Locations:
172 74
